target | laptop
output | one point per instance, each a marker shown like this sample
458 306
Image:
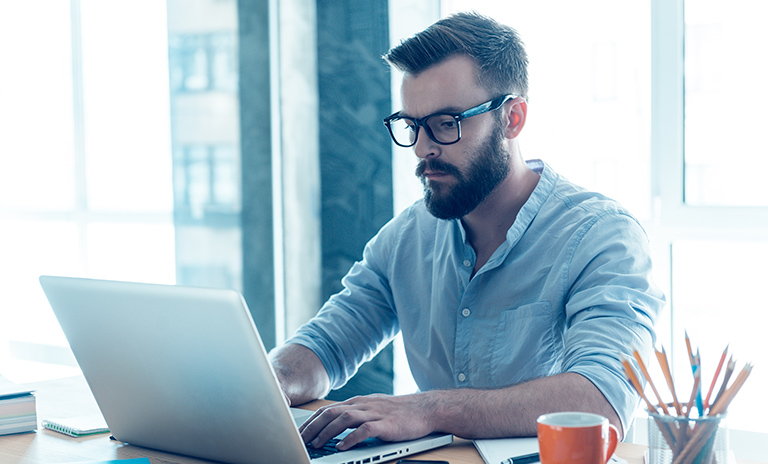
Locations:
184 370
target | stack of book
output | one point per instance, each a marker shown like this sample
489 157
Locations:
17 408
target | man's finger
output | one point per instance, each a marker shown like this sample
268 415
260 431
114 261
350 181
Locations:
360 434
332 423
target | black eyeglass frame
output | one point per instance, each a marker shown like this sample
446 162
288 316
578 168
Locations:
491 105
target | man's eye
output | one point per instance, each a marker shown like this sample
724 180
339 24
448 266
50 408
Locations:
442 123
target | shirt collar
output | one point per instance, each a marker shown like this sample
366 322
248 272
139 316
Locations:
531 207
535 202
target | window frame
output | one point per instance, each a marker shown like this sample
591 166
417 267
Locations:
678 220
672 219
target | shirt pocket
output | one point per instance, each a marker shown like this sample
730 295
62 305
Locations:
526 346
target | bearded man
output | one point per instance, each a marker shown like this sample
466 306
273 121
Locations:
516 291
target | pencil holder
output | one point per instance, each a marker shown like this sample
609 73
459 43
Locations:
687 440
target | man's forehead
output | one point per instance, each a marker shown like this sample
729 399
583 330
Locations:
450 85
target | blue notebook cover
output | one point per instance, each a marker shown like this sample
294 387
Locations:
118 461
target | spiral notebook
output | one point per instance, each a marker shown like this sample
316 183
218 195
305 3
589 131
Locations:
77 426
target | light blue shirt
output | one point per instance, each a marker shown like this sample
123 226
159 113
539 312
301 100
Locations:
568 291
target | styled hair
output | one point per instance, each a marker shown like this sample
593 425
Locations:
502 64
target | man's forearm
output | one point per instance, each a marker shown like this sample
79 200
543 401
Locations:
513 411
300 372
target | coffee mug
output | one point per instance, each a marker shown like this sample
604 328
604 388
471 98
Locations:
576 438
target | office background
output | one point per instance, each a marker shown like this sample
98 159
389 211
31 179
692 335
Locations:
239 144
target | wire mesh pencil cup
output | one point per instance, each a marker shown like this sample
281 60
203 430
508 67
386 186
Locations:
687 440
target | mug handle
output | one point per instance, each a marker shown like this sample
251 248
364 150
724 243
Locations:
613 440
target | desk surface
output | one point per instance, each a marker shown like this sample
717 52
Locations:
70 397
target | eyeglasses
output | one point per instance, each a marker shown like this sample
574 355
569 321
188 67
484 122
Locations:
442 128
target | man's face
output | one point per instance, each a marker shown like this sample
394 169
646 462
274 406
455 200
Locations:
457 177
484 169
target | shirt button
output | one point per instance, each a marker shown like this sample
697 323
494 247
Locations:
465 312
462 377
467 263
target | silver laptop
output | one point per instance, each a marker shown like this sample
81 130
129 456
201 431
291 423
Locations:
183 370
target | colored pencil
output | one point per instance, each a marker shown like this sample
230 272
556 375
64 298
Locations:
690 440
714 379
722 404
664 363
696 383
634 380
726 377
688 346
647 376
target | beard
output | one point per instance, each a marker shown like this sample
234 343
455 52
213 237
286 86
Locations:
488 166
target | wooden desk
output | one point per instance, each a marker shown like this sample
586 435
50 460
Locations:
71 397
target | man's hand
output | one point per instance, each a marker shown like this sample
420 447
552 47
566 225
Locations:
389 418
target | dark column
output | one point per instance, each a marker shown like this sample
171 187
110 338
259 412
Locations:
256 153
355 151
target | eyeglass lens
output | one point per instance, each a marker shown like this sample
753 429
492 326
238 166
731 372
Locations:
442 128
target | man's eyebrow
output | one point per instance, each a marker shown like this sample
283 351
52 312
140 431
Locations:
449 110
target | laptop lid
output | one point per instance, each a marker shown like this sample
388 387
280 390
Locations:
184 370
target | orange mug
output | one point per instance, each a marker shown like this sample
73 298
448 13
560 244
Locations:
576 438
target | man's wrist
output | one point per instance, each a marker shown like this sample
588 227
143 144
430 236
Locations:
301 375
440 409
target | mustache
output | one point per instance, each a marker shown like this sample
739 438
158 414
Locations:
436 165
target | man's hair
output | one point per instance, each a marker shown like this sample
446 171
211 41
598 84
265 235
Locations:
496 49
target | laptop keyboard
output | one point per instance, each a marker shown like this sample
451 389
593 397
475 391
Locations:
330 448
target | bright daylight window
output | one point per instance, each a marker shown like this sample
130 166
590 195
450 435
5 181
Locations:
717 281
85 159
725 99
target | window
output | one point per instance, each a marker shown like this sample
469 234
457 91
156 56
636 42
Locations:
711 210
203 62
206 180
725 154
85 160
723 315
204 98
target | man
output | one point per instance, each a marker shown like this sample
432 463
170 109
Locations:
516 292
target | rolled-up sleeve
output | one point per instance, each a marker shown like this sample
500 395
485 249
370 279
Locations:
353 325
612 306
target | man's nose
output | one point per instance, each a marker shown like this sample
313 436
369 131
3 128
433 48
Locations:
425 147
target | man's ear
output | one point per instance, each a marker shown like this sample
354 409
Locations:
516 111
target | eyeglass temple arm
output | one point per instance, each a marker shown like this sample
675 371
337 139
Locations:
488 106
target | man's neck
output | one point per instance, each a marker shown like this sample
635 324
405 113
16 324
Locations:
487 225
